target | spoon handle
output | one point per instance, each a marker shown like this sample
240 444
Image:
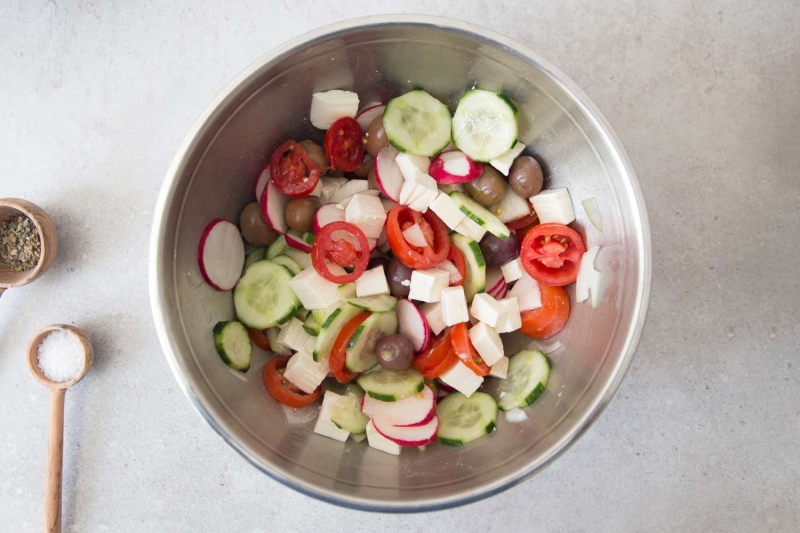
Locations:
55 450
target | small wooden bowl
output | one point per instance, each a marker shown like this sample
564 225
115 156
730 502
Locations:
33 356
10 207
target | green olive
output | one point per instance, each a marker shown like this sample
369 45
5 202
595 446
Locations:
376 137
300 213
254 229
488 189
525 176
364 168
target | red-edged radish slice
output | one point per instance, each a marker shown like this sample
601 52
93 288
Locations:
496 285
444 386
296 242
413 324
454 167
450 268
387 173
221 254
365 117
326 214
263 178
409 436
273 207
411 411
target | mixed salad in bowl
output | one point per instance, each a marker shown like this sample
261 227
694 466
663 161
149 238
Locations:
394 259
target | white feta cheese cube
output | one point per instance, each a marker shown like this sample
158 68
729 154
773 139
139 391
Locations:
447 210
293 335
305 373
513 270
366 212
470 228
422 202
503 163
433 314
454 305
486 309
427 284
500 368
553 205
325 425
409 164
379 442
487 342
314 291
329 106
461 378
512 320
372 282
527 293
416 186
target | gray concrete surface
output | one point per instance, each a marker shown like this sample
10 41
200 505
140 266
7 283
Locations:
95 97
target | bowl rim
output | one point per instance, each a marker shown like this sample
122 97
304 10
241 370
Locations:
158 299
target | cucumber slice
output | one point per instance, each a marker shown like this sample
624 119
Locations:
480 215
360 352
528 372
417 123
305 237
256 254
475 279
463 420
289 263
275 346
321 315
331 328
484 125
311 326
233 344
390 386
346 291
301 258
277 248
263 298
377 304
302 314
347 415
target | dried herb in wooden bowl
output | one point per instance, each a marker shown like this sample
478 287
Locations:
20 247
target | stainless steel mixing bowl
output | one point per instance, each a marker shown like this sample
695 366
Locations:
213 175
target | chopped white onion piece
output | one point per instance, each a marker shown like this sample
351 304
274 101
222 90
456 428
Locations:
300 415
593 213
585 274
516 415
414 236
550 348
450 268
553 205
596 287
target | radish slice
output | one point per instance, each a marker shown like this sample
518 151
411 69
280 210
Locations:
365 117
413 324
221 254
387 173
409 436
454 167
411 411
445 387
450 268
373 244
262 182
297 243
414 236
273 207
326 214
496 285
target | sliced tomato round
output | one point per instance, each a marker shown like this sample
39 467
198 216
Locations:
292 171
550 318
281 389
401 217
457 258
259 338
551 254
344 144
338 360
340 252
467 353
427 361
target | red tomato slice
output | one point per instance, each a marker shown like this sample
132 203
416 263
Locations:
519 223
338 358
457 258
551 254
259 338
288 168
426 362
344 144
466 352
550 318
413 256
325 247
283 391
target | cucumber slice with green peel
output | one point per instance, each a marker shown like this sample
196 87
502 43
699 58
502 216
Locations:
263 298
463 420
233 344
331 328
480 215
417 123
321 315
377 304
302 314
301 258
346 291
288 262
256 254
278 247
528 372
475 278
360 351
275 346
311 326
484 125
389 386
347 415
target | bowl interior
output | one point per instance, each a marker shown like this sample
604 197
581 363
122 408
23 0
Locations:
214 176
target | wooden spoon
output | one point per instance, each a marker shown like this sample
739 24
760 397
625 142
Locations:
10 207
55 435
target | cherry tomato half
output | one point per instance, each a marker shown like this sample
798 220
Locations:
259 338
464 350
344 144
427 361
551 254
340 252
338 360
550 318
292 171
457 258
281 389
413 256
